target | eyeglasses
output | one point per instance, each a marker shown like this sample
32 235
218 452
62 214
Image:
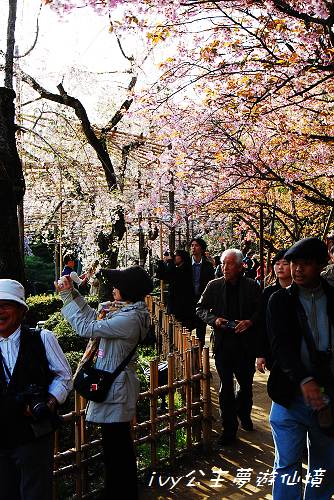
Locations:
6 305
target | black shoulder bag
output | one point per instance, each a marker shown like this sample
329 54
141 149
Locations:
94 384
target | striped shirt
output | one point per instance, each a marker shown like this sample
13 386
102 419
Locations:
58 364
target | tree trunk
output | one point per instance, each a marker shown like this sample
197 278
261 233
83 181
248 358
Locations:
108 253
11 191
10 43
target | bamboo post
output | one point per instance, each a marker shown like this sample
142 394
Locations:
196 392
54 495
160 333
177 338
188 403
78 447
153 413
170 336
183 337
171 406
206 401
85 481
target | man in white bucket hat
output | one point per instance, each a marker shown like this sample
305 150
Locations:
34 377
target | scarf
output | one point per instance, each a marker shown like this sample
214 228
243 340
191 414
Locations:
93 343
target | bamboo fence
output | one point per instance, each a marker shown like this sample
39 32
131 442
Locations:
187 371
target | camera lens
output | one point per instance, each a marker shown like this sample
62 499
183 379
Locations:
40 410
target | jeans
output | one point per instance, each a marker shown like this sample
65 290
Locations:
290 427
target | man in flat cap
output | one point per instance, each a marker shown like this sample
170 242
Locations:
34 377
300 322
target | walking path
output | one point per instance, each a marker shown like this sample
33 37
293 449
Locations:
245 465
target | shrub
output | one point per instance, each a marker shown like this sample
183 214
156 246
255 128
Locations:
73 357
39 271
53 321
92 301
42 306
68 339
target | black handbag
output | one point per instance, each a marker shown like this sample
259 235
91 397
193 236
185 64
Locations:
94 384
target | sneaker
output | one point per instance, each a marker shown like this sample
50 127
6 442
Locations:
226 438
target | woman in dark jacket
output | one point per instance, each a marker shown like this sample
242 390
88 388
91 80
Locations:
177 271
280 271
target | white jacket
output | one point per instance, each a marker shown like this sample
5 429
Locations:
119 333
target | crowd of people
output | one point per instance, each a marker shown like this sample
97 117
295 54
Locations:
287 328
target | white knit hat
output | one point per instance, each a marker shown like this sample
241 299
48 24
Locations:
12 290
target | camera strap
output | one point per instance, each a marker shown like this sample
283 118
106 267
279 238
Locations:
305 327
6 367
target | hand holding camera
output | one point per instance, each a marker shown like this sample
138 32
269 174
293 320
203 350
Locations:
34 399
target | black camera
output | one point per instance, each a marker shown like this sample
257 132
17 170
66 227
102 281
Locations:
35 398
321 357
230 324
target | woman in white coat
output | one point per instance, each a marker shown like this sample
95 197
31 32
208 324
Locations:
117 335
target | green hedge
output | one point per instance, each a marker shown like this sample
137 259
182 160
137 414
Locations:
73 357
68 340
42 306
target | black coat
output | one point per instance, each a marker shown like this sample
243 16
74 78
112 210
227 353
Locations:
181 295
285 335
213 305
263 344
253 270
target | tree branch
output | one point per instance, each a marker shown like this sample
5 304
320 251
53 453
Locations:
33 45
81 114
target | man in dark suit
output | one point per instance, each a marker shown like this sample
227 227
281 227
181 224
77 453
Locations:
203 272
229 304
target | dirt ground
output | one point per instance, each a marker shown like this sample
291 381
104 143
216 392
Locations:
245 465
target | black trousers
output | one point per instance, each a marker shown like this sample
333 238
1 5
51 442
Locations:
232 359
26 470
200 331
120 462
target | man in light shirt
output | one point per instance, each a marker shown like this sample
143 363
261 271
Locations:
34 377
